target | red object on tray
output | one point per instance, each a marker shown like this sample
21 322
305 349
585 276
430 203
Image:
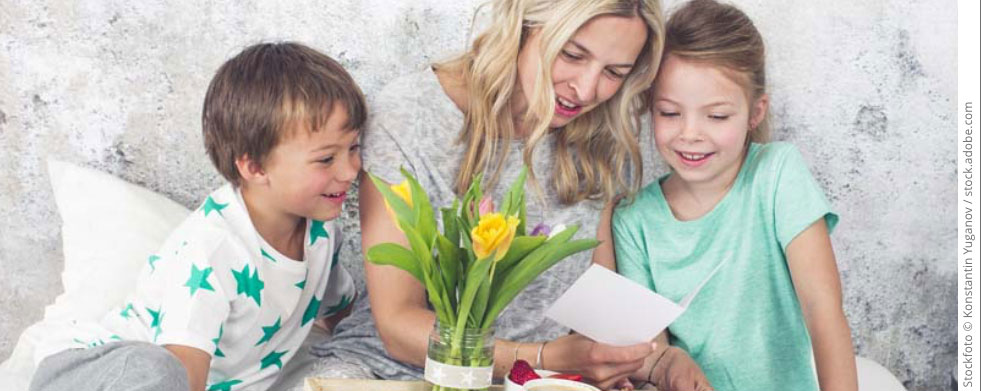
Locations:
521 372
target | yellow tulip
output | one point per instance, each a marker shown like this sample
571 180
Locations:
493 233
402 191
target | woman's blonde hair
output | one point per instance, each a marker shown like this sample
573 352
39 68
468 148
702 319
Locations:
596 152
710 32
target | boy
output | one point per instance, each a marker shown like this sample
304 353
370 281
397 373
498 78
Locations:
237 286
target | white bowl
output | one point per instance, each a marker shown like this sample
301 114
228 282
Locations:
557 384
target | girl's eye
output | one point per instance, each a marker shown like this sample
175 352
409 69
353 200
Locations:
327 160
719 117
570 55
355 147
668 113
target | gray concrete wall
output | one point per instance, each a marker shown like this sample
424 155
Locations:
864 88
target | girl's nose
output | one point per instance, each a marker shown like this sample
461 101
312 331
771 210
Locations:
690 130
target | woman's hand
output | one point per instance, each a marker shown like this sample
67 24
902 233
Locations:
603 365
677 371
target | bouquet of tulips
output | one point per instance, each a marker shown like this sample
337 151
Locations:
480 260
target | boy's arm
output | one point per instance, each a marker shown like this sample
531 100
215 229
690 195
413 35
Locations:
197 363
815 275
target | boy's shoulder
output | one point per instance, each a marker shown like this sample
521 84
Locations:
216 227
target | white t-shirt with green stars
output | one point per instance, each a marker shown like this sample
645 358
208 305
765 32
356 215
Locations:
216 285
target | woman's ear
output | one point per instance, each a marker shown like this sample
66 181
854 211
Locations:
758 112
250 171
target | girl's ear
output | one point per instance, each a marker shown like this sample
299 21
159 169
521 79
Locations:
250 171
758 112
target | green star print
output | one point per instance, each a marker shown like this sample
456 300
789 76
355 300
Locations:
155 323
249 284
221 331
274 358
224 386
311 311
125 313
269 331
317 230
152 260
266 255
199 279
340 306
211 205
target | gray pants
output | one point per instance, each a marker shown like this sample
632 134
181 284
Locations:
127 365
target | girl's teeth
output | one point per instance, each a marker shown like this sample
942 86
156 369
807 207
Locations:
690 156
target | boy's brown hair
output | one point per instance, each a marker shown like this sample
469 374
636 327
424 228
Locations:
267 92
719 34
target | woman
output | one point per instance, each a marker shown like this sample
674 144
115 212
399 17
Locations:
488 111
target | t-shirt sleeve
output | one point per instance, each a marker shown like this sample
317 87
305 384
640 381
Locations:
193 303
384 153
340 291
799 200
631 253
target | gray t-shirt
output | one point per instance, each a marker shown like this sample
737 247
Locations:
415 125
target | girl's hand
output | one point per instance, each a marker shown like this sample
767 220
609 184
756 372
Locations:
676 371
603 365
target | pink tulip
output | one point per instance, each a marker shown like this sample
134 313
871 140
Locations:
486 206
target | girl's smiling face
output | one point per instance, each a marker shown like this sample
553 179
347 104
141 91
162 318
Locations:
701 121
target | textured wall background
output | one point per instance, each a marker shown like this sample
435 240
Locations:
865 89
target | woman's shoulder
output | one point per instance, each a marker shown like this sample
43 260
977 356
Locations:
414 105
416 91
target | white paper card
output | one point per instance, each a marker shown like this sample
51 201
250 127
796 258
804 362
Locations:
614 310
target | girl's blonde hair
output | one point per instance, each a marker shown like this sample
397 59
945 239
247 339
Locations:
710 32
596 152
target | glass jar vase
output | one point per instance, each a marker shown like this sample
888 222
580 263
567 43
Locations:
459 359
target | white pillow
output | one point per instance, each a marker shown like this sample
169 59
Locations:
109 228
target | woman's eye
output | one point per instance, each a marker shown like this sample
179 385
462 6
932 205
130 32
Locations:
615 74
327 160
355 147
571 55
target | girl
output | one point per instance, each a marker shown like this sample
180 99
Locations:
732 199
557 85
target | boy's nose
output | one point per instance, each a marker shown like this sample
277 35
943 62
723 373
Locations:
349 168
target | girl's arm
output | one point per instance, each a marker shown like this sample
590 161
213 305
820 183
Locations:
669 368
815 275
398 303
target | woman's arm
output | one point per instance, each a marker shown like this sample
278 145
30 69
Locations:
398 303
815 275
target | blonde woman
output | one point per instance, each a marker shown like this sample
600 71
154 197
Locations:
557 85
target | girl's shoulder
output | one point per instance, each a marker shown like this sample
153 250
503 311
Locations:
767 163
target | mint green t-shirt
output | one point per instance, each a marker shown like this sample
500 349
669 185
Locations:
745 328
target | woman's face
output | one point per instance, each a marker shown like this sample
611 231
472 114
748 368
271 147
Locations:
589 69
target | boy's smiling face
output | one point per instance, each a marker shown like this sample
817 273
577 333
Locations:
308 174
